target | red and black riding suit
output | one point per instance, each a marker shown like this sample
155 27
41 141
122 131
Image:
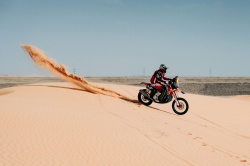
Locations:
158 81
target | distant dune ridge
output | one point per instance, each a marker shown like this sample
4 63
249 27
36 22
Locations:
60 70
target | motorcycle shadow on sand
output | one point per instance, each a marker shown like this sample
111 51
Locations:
162 110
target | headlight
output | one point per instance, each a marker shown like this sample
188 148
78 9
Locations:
176 84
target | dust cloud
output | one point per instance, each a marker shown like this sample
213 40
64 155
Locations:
60 70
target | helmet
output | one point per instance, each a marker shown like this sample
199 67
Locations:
163 68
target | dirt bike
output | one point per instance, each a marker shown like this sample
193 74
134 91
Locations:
164 95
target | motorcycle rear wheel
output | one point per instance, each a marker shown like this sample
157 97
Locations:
182 108
144 100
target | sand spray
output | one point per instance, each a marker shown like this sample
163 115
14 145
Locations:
60 70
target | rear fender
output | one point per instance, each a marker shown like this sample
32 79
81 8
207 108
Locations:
148 85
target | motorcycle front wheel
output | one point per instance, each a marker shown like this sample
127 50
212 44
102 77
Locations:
181 108
144 100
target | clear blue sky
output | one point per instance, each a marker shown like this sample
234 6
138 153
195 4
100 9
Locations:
127 37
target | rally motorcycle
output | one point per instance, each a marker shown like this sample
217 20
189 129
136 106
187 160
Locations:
164 95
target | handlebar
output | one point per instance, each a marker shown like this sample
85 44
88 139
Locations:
171 80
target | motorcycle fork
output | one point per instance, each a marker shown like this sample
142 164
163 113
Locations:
175 98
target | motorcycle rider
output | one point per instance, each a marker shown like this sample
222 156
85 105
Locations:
158 80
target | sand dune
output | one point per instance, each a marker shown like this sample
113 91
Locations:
60 124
